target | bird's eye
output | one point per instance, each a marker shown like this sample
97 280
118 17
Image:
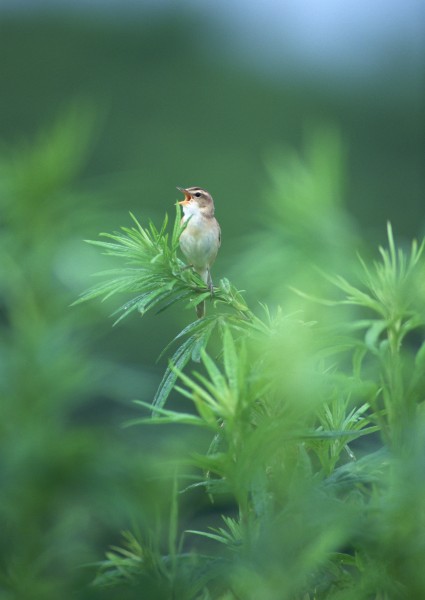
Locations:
198 194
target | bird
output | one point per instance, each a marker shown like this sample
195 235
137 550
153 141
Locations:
201 238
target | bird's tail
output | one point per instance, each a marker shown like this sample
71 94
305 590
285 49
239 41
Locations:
200 309
206 278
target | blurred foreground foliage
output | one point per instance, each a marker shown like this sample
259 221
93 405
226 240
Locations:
316 427
69 479
307 480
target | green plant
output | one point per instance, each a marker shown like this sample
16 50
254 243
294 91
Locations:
45 453
286 404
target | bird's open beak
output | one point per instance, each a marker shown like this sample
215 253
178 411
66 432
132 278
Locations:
187 196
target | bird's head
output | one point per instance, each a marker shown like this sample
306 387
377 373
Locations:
197 201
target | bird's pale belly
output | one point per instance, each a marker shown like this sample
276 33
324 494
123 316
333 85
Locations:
199 246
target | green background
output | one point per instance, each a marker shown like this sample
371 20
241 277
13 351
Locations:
98 119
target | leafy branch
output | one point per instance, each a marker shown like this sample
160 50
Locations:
283 410
154 272
391 291
154 277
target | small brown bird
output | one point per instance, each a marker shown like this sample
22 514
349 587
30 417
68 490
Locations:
201 238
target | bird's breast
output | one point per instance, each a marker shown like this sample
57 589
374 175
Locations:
199 242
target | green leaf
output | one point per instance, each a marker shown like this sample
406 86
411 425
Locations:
167 416
231 361
214 373
178 361
420 357
202 342
198 299
207 414
212 536
177 228
176 298
193 327
195 389
373 333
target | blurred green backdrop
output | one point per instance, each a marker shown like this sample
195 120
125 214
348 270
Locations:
100 116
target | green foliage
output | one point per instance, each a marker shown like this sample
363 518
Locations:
57 494
304 479
318 511
393 293
42 367
301 517
159 279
